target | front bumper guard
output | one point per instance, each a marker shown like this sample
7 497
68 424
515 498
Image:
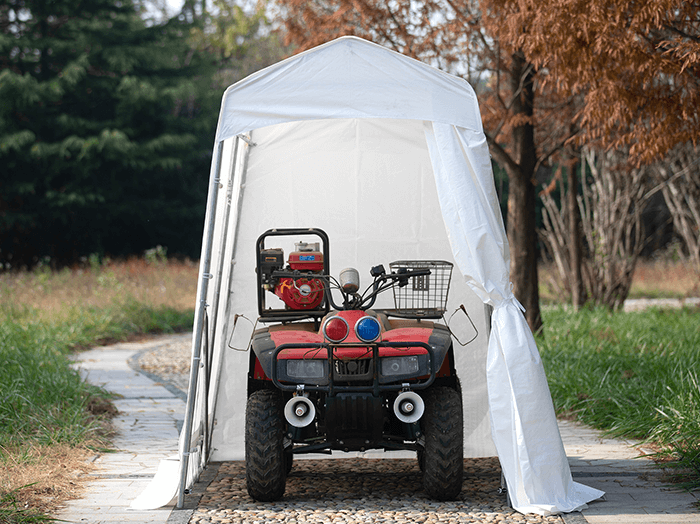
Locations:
375 388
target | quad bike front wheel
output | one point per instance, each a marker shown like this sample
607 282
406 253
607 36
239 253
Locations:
442 455
288 462
265 458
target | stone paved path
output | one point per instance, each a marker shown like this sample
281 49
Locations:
152 409
636 492
147 431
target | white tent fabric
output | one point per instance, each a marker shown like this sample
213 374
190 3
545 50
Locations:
346 78
354 90
377 200
523 421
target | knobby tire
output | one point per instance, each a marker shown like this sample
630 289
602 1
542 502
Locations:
265 461
443 464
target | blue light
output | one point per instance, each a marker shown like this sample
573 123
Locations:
367 329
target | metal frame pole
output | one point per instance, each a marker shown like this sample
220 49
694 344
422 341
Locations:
199 320
239 184
219 275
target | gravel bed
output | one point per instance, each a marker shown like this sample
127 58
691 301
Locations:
169 361
357 491
338 490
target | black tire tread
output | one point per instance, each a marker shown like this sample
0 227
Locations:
288 462
443 428
266 469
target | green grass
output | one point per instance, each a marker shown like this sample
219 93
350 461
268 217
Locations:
50 419
43 399
631 374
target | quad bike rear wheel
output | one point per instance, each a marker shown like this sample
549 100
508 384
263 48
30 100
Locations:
443 449
265 458
420 456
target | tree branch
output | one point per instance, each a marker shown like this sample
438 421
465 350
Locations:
501 156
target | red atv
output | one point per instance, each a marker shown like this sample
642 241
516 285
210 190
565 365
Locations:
342 376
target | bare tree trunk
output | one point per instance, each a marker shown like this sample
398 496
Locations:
520 168
578 297
607 216
561 236
522 232
611 211
680 181
554 236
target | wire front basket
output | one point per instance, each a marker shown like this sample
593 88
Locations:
423 296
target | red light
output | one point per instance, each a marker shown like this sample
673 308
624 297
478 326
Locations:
336 329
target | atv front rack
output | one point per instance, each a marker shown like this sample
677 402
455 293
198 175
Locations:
424 296
375 388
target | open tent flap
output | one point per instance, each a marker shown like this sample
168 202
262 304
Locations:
523 421
386 155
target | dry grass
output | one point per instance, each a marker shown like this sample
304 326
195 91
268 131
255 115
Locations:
652 279
172 284
45 477
665 279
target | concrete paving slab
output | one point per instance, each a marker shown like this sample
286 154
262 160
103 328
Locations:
146 428
635 489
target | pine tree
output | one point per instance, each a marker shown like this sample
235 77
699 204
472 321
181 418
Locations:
106 128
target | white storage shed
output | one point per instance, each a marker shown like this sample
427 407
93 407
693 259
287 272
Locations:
388 156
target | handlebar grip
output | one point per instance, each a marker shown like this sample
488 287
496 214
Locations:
411 273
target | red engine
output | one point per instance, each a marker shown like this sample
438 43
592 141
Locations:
302 293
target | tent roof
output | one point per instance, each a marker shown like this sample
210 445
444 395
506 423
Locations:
377 83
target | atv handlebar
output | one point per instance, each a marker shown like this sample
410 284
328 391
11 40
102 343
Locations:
382 282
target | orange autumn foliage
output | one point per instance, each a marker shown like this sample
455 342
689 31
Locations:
453 35
636 64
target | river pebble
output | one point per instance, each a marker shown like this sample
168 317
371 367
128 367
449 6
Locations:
360 491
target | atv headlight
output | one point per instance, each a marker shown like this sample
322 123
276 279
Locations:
368 329
400 365
305 368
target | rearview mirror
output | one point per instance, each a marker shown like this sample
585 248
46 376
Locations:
242 333
462 327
